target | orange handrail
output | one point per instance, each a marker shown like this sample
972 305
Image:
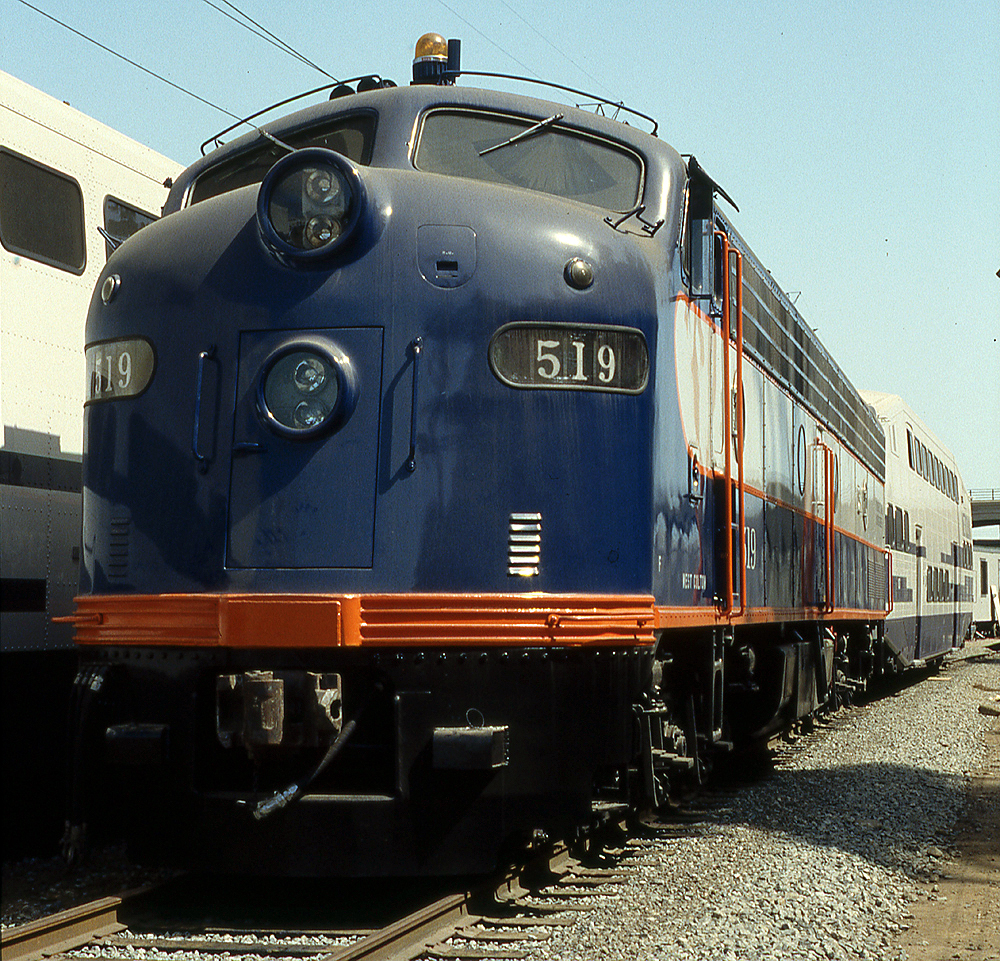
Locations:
740 419
831 532
727 305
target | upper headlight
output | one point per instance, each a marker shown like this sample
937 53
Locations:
308 204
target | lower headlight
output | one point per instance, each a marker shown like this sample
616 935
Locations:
306 389
308 205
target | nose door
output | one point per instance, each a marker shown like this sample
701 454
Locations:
302 489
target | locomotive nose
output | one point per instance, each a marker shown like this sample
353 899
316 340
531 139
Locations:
309 206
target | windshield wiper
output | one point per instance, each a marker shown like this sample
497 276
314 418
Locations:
535 128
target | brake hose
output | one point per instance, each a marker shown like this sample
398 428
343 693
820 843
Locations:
281 799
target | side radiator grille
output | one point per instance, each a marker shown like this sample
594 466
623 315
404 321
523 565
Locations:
118 545
524 545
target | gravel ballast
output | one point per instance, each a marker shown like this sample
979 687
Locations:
821 859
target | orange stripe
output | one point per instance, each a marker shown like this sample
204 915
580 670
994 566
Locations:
374 620
400 620
673 618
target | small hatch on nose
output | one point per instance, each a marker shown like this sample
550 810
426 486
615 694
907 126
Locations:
446 254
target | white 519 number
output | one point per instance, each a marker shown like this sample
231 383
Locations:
118 368
551 366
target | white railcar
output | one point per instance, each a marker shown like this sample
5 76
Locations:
70 190
928 532
64 179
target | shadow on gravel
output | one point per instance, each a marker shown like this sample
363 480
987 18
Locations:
891 815
894 815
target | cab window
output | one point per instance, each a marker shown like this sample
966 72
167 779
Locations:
353 136
532 154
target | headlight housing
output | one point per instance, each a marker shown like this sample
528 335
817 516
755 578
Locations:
309 204
306 389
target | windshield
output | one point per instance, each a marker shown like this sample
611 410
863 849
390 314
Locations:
530 154
351 136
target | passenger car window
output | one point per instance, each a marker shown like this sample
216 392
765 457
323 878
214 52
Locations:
121 220
353 136
530 154
41 213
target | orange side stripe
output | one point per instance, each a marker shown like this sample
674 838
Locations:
318 620
674 618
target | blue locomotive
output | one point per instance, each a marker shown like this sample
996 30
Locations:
454 475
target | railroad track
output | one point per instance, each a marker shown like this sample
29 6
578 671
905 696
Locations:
500 920
503 919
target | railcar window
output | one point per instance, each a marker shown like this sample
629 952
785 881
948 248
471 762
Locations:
984 578
352 136
41 213
553 159
121 220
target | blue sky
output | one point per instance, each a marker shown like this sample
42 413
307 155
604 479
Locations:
861 141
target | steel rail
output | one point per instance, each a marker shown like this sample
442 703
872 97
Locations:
63 931
499 901
415 931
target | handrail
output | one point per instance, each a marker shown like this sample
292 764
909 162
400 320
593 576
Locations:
202 459
727 307
740 424
831 532
416 346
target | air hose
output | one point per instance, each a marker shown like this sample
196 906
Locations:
281 799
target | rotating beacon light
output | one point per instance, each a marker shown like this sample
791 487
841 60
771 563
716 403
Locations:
437 60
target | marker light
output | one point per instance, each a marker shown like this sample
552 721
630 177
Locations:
309 203
306 388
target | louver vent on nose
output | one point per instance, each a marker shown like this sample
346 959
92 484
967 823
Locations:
118 544
524 545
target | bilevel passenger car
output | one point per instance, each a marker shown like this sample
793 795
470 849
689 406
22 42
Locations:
928 530
455 475
63 178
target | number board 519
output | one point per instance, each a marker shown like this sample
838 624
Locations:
584 357
119 368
